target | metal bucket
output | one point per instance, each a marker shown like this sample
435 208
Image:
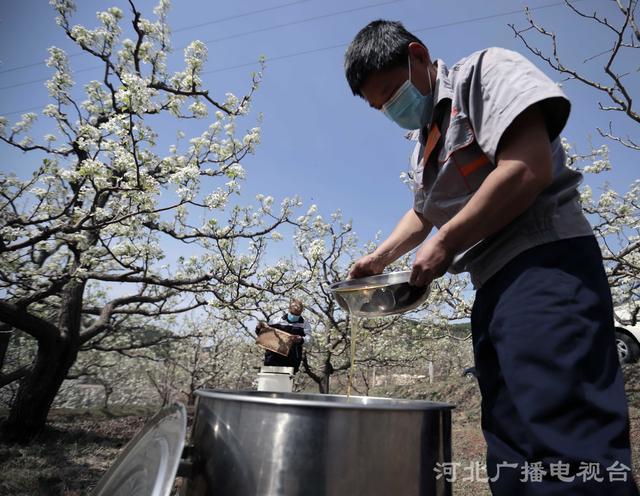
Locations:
281 444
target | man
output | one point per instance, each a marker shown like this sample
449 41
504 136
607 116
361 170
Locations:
489 173
293 323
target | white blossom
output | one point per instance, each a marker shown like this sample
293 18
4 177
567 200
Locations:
198 109
135 94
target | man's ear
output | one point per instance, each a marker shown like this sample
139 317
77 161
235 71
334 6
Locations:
419 52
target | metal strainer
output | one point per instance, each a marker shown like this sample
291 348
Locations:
377 296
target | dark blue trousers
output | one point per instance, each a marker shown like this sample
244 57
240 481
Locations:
554 411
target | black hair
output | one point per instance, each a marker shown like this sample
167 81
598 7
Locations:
379 46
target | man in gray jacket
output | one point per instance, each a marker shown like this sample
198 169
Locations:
489 173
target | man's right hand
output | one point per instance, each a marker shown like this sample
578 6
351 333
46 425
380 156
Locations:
369 265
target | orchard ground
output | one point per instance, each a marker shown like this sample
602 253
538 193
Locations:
79 445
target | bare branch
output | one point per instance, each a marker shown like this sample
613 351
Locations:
107 312
617 92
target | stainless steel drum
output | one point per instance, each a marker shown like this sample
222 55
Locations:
282 444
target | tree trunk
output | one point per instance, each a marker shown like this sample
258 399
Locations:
325 379
191 398
55 357
108 391
39 388
5 336
324 384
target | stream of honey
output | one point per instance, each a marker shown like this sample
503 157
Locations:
355 300
355 329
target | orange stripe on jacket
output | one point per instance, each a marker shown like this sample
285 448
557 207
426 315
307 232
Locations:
474 165
432 141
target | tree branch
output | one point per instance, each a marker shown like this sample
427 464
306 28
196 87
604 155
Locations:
20 318
17 374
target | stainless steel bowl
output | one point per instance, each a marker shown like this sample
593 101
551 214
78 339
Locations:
377 296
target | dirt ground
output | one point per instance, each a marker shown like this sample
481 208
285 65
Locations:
69 458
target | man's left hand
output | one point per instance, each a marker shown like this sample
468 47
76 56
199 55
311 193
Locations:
432 260
298 339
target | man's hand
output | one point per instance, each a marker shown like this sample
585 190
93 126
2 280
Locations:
298 339
432 260
410 231
369 265
260 326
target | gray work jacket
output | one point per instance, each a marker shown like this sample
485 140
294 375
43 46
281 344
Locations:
475 102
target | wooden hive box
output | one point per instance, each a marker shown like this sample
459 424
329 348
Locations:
275 340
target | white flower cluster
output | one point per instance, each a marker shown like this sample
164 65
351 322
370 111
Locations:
217 200
266 203
195 55
61 81
586 195
199 110
110 30
162 8
607 199
98 101
135 94
252 138
306 218
235 171
63 7
316 249
83 36
598 166
235 105
90 168
25 124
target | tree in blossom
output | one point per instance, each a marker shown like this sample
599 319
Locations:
325 248
112 233
214 354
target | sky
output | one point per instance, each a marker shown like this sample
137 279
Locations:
319 141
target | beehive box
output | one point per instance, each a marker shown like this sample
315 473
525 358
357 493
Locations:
275 340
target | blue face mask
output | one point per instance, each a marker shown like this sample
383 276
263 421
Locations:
293 318
409 108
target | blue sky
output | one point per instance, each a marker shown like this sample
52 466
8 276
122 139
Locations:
318 140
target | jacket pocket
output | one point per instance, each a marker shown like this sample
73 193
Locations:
462 153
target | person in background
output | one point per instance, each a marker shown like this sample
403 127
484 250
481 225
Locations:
293 323
489 173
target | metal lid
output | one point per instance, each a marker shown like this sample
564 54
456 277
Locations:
148 464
